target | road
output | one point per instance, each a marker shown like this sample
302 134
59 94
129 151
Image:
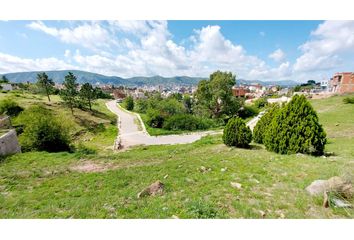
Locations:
131 135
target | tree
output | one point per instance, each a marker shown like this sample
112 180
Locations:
69 93
4 79
88 94
46 84
214 96
188 103
263 124
296 129
43 131
236 133
10 107
129 103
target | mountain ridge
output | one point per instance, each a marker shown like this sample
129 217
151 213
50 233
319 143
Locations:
138 81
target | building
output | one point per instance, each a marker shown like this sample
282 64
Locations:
342 83
239 91
324 85
6 87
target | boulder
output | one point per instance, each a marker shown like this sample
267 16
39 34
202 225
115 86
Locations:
236 185
334 184
152 190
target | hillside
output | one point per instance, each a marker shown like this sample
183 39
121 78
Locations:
197 178
94 78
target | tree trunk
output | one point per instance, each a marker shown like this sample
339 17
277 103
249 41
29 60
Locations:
46 90
90 104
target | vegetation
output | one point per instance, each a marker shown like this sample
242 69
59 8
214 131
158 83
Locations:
45 83
9 107
129 103
248 111
263 124
296 129
236 133
48 185
187 122
88 95
349 100
261 102
43 131
4 79
69 93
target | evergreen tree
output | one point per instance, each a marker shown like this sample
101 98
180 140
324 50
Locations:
263 124
236 133
69 93
4 79
46 84
295 129
88 94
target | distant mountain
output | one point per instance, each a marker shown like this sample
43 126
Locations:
94 78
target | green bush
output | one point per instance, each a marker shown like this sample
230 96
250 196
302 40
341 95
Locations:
349 100
154 118
129 103
295 129
10 107
248 111
187 122
260 103
236 133
43 131
263 124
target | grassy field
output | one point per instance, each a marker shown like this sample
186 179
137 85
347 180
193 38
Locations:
105 185
96 130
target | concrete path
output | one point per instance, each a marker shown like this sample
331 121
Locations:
132 135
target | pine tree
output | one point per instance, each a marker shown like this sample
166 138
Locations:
69 93
236 133
45 83
88 94
263 124
295 129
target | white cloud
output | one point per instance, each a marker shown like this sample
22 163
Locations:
278 55
329 40
11 63
89 35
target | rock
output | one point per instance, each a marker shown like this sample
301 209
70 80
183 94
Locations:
280 213
203 169
262 213
175 217
337 124
236 185
154 189
223 169
340 204
334 184
166 176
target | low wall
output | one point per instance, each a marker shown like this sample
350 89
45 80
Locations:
9 143
5 122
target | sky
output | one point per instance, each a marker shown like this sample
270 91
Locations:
252 50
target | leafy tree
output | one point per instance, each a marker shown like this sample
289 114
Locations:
214 96
236 133
46 84
88 94
263 124
4 79
261 102
43 131
129 103
295 129
10 107
297 88
154 118
69 93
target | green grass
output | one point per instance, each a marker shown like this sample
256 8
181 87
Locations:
86 127
44 185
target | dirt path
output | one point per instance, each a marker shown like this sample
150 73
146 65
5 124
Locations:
131 135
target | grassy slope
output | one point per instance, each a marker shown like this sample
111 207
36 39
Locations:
42 185
83 124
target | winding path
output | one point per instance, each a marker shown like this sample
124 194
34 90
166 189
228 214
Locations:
131 134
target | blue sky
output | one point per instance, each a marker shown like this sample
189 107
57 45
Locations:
265 50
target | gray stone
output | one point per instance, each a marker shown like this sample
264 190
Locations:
340 204
334 184
154 189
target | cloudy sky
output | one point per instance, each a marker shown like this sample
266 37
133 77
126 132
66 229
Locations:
265 50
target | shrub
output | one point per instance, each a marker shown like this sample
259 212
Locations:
263 124
236 133
295 129
129 103
349 100
248 111
154 118
260 103
187 122
141 105
10 107
43 131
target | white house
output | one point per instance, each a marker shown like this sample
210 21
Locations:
6 87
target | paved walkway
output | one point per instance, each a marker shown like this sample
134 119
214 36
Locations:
131 135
